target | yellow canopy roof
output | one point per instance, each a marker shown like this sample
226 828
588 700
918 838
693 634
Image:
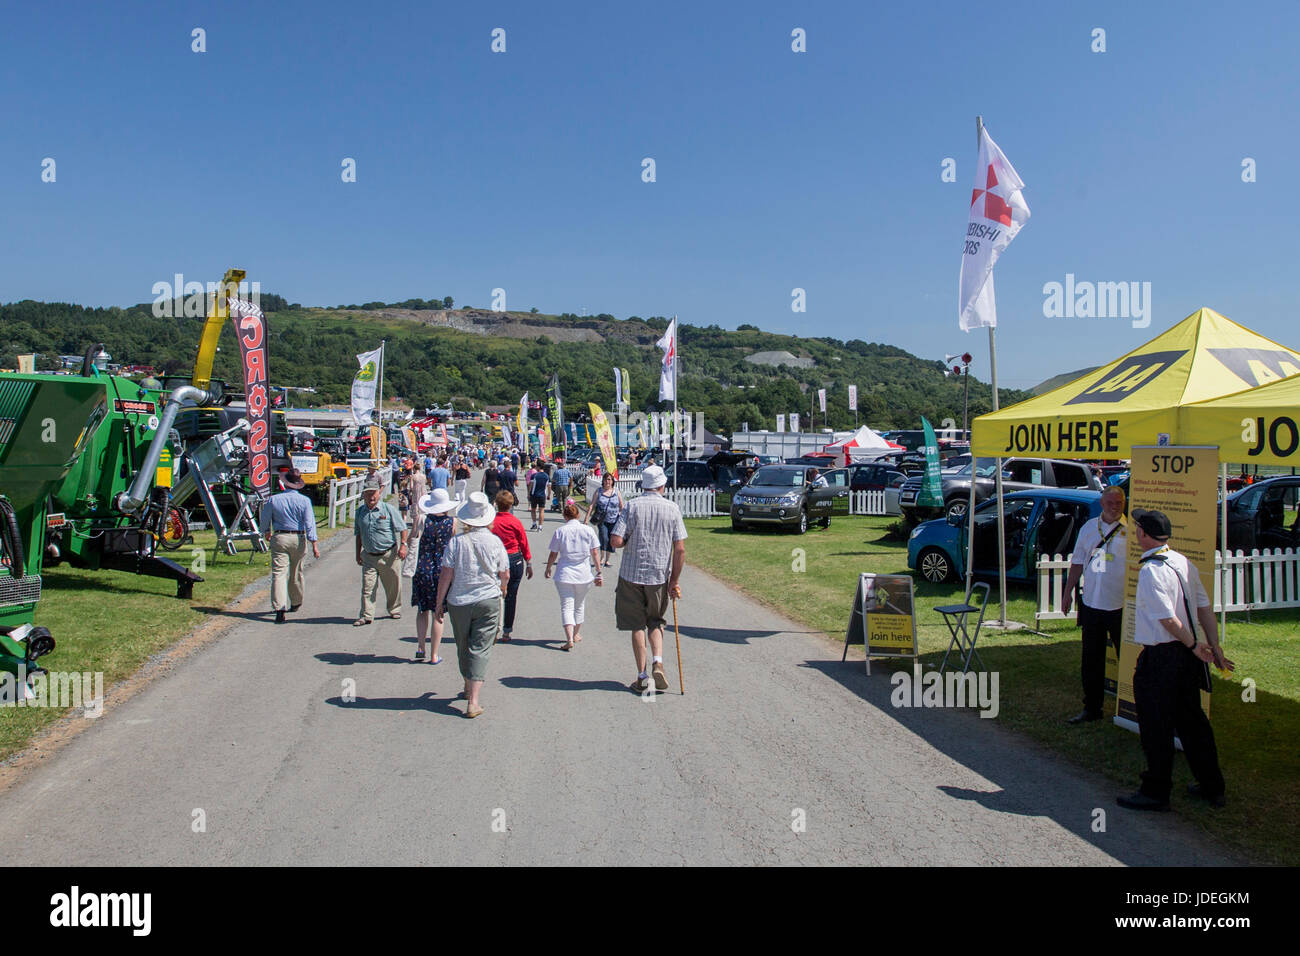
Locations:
1135 399
1258 426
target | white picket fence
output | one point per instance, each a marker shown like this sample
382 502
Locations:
345 495
694 502
1260 580
866 503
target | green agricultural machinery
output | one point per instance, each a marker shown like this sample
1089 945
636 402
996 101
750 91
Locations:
85 475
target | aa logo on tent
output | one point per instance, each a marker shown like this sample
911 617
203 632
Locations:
368 373
1247 364
1133 373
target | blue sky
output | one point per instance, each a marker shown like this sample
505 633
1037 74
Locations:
775 169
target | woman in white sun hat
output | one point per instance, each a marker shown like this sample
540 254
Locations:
475 573
439 527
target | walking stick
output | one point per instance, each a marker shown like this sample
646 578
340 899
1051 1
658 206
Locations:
681 678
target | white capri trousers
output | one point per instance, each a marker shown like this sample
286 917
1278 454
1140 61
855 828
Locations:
573 599
459 493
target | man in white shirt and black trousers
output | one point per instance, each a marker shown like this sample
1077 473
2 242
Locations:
1171 669
1099 556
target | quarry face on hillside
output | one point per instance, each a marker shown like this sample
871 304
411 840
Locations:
515 325
779 358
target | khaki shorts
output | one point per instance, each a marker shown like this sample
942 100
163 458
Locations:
640 607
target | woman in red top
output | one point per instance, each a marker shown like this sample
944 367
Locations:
511 532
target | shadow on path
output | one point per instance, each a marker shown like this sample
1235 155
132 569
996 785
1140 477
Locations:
562 683
345 658
725 635
426 702
1070 803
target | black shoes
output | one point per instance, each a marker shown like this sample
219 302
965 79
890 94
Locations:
1084 716
279 617
1218 802
1140 801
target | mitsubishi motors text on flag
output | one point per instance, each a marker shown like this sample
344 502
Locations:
668 371
997 211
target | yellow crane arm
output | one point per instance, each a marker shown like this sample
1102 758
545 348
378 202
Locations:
217 315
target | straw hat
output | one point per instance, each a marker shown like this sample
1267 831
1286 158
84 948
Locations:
437 502
477 512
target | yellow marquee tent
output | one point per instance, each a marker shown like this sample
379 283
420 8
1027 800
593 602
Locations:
1136 399
1257 426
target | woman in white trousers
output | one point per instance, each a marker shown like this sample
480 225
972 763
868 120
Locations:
574 549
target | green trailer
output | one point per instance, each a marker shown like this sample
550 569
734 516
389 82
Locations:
85 472
46 424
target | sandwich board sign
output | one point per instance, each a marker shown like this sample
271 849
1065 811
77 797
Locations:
883 617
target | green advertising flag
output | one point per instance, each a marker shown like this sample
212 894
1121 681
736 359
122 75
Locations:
931 495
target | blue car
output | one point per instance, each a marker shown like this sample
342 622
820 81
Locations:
1036 522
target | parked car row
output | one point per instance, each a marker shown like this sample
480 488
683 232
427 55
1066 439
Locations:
1018 474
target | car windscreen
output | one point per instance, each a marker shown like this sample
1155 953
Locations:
779 476
985 468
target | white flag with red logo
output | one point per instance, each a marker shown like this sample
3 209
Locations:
668 371
997 211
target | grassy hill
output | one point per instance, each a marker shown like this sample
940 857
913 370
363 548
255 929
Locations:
492 358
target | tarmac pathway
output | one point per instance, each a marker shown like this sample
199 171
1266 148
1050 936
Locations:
253 735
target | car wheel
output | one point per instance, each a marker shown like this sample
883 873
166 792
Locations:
934 565
803 521
954 506
737 525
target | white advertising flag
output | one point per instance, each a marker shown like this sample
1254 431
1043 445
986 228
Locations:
668 371
821 399
997 211
363 387
853 398
780 423
618 386
794 421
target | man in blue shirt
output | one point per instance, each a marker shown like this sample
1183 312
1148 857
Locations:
288 521
560 482
439 476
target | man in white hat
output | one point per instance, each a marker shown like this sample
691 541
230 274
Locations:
381 534
654 536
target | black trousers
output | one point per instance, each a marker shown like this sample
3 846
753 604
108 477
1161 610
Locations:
512 588
1167 693
1099 629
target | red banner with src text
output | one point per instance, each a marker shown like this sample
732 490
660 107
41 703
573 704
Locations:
250 329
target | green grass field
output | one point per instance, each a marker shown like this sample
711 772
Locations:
113 621
1039 672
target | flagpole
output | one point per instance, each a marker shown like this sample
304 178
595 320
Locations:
677 360
997 474
374 452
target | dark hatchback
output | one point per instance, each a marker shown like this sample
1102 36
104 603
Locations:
780 495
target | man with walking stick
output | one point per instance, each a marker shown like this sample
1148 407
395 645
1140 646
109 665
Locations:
653 536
